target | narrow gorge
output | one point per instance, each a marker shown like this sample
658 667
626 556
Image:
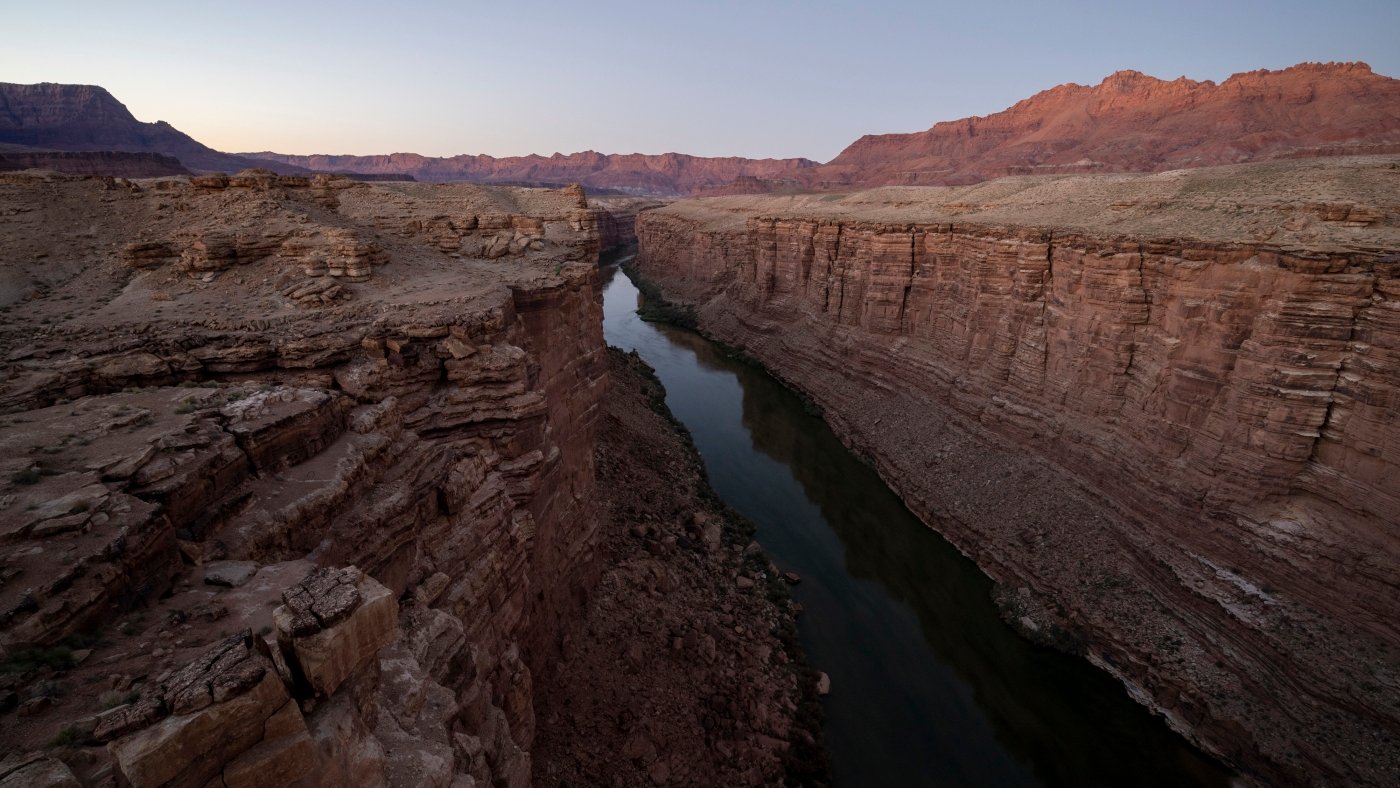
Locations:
307 481
1160 411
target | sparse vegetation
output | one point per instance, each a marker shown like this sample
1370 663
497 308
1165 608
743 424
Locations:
31 659
67 737
114 698
26 476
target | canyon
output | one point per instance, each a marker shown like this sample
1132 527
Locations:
1159 410
318 470
302 485
87 119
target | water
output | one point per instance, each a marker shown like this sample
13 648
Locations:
929 686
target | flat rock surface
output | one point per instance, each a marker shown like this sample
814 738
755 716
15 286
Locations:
1302 204
230 573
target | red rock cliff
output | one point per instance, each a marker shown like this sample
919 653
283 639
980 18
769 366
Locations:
273 375
1163 412
1132 122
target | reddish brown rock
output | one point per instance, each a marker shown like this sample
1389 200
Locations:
1132 122
433 425
333 623
1164 405
666 174
53 117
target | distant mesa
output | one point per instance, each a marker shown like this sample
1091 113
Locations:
666 174
86 118
1132 122
1129 122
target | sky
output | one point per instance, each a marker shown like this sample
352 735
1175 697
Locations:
761 78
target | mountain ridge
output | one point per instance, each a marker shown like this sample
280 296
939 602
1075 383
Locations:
1133 122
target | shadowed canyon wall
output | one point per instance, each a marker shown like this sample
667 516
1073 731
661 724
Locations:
1160 411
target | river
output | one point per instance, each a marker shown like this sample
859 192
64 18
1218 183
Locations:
929 686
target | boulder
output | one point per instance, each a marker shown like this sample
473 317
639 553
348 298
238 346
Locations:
219 707
334 622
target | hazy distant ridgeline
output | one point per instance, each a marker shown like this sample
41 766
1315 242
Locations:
1130 122
664 174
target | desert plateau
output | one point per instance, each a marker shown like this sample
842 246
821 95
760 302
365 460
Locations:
1052 446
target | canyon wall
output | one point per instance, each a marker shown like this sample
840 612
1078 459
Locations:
617 218
1162 412
300 472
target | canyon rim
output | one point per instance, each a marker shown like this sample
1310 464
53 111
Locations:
319 468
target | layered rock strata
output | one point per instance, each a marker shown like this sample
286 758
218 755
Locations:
117 164
1162 411
617 219
177 413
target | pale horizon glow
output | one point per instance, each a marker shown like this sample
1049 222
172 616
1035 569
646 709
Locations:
757 79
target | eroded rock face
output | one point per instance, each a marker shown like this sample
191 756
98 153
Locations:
332 623
170 405
219 707
1208 393
617 219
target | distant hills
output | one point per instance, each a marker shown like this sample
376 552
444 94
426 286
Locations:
638 173
1130 122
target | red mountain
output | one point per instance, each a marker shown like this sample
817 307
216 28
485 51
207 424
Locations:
1132 122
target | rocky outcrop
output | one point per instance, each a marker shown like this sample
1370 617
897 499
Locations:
1132 122
299 486
1157 410
170 407
54 117
682 670
666 175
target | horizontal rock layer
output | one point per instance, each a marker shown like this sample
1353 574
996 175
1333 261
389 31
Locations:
110 163
1183 449
172 403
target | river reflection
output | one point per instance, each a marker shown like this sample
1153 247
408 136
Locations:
929 687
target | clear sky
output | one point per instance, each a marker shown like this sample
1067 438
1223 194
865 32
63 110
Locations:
757 78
